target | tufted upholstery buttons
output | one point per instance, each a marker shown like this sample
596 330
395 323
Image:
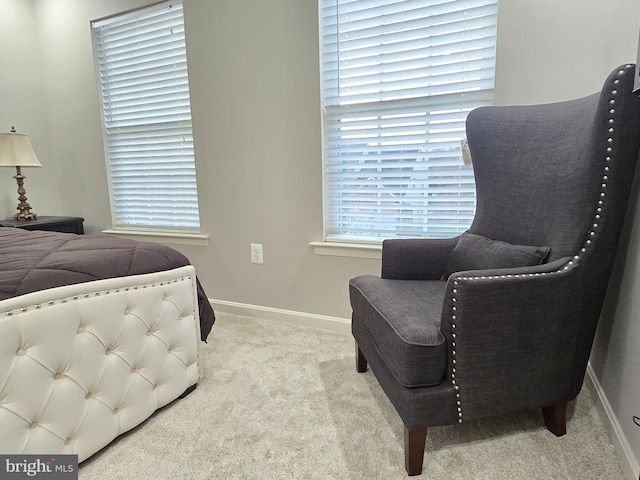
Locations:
95 397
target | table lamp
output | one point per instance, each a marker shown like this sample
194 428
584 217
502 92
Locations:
16 151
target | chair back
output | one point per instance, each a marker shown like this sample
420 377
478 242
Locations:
560 175
557 175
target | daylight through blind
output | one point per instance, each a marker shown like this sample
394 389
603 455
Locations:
398 80
144 91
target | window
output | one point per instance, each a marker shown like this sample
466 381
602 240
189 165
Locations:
141 69
398 80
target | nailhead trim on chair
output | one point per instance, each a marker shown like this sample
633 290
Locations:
590 234
453 353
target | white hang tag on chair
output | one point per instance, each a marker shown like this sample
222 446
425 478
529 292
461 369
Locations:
466 153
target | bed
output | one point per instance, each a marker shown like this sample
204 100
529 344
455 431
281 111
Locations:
96 334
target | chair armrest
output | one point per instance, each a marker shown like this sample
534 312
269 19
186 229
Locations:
555 267
513 336
416 259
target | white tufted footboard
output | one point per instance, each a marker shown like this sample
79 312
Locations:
81 364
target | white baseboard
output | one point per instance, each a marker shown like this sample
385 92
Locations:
324 322
626 457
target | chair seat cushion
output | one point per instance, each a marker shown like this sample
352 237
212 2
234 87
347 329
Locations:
402 318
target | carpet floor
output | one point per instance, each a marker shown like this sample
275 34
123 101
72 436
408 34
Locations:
281 401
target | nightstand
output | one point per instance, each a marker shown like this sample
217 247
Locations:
48 223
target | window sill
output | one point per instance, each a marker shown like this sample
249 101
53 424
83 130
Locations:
355 250
197 239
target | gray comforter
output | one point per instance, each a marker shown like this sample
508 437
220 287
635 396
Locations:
37 260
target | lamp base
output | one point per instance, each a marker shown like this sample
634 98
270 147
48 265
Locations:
24 209
25 216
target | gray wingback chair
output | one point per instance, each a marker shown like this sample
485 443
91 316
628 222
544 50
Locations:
502 318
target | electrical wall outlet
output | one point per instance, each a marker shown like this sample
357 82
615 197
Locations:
256 253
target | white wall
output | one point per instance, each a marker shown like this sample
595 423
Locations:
551 50
22 104
256 115
616 354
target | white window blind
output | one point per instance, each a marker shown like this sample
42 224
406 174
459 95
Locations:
141 67
398 80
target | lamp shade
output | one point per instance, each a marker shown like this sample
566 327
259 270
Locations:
16 150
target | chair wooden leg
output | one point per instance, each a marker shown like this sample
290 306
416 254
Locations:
555 418
361 362
414 441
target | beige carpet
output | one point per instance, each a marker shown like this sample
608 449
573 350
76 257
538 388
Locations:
284 402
